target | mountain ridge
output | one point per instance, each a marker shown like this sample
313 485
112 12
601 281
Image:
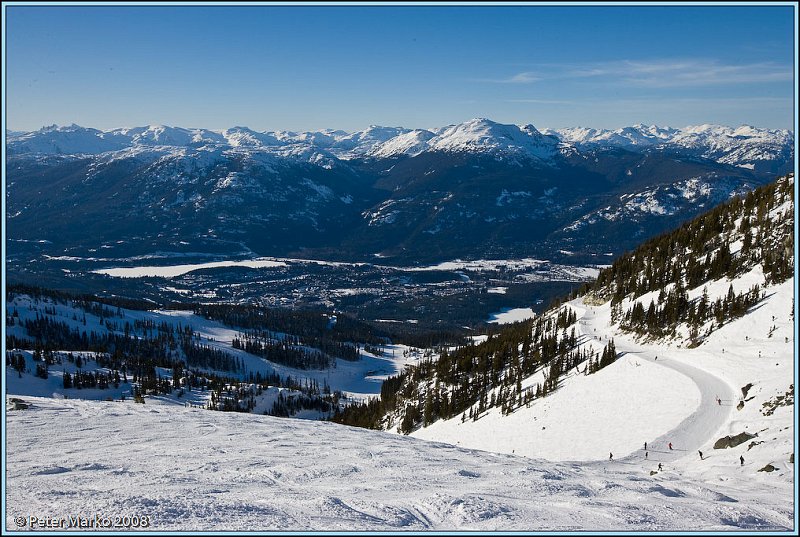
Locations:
741 145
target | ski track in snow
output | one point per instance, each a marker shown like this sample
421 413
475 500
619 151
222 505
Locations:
694 432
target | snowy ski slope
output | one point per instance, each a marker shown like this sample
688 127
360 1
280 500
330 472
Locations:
191 469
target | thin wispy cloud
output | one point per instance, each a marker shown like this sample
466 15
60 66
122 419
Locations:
722 102
702 73
731 102
526 77
523 78
540 101
661 73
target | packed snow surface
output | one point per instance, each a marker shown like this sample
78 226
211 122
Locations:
184 469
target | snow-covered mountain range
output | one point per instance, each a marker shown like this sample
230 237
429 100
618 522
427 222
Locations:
476 190
743 146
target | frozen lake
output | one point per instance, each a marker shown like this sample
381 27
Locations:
511 315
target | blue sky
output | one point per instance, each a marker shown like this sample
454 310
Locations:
314 67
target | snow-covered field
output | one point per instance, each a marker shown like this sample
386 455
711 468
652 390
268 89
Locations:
187 469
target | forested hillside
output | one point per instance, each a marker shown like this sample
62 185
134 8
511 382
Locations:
59 344
654 289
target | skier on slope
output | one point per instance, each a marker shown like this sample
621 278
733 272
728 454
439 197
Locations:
741 460
659 467
670 446
701 454
611 456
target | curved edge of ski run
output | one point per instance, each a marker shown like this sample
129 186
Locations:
614 410
698 428
694 432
